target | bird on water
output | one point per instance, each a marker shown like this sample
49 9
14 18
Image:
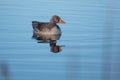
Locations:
47 28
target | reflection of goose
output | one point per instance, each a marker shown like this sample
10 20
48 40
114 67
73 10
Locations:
47 28
52 40
55 48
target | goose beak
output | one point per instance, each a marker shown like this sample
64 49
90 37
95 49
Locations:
61 21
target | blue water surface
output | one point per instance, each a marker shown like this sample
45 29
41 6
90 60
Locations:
90 39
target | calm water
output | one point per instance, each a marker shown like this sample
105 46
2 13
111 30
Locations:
90 40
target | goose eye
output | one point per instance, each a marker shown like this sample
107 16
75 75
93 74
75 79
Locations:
56 20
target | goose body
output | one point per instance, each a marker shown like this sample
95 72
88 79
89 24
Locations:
47 28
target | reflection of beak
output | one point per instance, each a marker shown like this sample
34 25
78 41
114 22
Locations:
61 21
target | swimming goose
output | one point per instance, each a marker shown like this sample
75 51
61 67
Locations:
47 28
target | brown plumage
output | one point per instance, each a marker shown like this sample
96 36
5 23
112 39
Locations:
43 28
